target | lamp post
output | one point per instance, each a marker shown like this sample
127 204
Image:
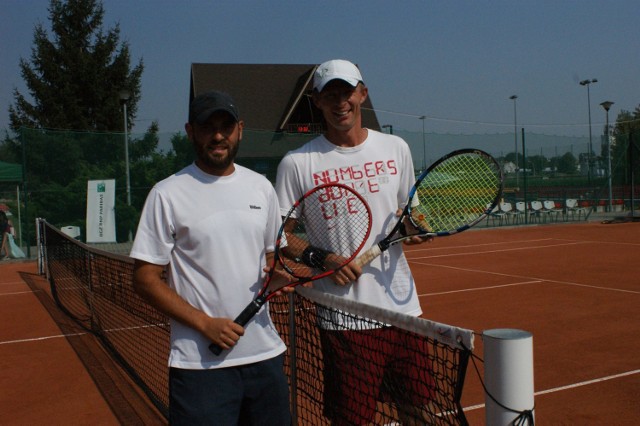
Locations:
424 145
589 160
515 133
524 178
124 97
607 105
388 126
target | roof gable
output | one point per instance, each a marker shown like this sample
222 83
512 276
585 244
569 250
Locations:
270 97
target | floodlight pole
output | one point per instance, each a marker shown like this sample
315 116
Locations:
124 97
607 105
515 134
424 145
524 179
589 160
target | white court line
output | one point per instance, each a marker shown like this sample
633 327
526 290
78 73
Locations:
531 280
13 283
483 288
37 339
413 260
17 292
596 287
588 382
58 336
495 251
416 248
567 387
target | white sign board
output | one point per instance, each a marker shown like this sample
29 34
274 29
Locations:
101 213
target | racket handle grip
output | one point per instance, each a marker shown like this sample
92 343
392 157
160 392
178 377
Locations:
368 255
242 319
217 350
249 312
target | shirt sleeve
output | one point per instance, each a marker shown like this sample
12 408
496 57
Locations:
287 184
155 235
407 177
274 221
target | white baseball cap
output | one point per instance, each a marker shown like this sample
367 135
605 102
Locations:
336 69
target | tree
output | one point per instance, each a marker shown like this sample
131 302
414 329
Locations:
626 143
567 163
74 78
183 149
537 163
515 159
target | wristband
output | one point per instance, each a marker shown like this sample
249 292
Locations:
314 257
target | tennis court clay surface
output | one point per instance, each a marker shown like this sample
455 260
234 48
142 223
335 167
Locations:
575 287
53 371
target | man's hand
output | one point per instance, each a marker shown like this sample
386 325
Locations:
345 275
222 331
279 281
412 229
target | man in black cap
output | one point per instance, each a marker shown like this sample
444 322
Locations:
211 226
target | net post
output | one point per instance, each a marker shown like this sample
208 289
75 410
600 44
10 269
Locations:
293 360
41 245
508 359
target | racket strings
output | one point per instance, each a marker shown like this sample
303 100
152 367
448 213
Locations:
332 221
456 192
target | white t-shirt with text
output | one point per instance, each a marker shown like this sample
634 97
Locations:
381 170
214 233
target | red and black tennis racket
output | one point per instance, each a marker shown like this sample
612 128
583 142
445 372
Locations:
452 195
323 231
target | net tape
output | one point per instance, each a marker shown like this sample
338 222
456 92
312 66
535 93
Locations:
455 337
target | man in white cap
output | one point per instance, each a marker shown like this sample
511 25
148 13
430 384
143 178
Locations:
211 226
379 166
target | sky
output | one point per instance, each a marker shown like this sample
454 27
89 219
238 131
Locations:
456 62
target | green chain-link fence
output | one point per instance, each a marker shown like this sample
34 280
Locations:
58 164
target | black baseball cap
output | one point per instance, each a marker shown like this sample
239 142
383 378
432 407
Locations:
205 104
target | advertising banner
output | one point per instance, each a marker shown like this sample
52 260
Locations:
101 213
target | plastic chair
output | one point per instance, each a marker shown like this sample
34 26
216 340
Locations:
551 210
536 211
495 215
507 210
71 231
521 211
574 208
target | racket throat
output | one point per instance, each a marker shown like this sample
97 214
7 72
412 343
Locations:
385 244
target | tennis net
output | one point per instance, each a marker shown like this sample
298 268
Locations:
426 363
95 288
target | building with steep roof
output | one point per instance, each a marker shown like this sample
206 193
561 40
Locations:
275 103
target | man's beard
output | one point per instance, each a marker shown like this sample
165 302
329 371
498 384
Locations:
217 162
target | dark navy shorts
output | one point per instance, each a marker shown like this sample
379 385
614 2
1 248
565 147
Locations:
254 394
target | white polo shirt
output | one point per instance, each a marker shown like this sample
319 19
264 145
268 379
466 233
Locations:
213 232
